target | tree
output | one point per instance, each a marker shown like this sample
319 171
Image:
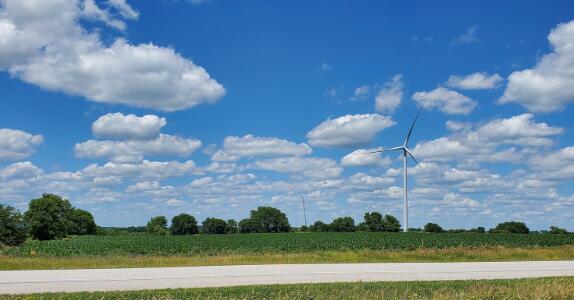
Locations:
270 219
183 224
48 217
477 230
248 226
12 226
157 225
231 227
214 226
374 221
319 226
391 224
511 227
344 224
557 230
433 227
82 222
304 228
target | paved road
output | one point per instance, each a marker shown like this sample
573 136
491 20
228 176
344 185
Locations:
20 282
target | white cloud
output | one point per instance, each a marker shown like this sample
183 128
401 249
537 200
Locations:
234 148
143 186
445 100
174 202
474 81
124 9
20 170
17 144
120 126
362 180
325 67
390 96
468 37
349 130
43 43
361 93
136 150
314 167
365 157
482 143
145 169
549 86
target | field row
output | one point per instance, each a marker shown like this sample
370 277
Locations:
144 244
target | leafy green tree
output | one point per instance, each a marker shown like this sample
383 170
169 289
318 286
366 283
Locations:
477 230
433 227
344 224
231 227
391 224
270 219
374 221
157 225
511 227
82 222
248 226
304 228
214 226
557 230
320 226
12 226
48 217
183 224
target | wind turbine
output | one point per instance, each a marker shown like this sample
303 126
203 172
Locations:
406 152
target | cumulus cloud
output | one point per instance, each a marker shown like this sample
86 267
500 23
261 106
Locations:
549 86
234 148
390 95
314 167
365 157
445 100
20 170
145 169
17 144
136 150
474 81
349 130
483 142
120 126
43 43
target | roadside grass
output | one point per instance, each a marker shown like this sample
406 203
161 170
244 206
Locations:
455 254
536 288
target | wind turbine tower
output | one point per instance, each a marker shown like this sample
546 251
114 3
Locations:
404 148
304 210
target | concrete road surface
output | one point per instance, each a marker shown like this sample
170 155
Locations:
20 282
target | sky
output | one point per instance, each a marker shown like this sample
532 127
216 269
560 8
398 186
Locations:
133 109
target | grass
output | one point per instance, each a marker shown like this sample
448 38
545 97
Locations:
456 254
538 288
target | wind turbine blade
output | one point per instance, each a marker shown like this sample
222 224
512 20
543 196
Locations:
412 126
385 150
412 156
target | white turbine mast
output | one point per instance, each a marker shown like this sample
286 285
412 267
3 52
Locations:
304 210
406 152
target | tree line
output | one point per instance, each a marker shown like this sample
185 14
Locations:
52 217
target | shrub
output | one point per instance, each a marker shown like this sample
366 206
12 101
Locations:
433 227
319 226
183 224
214 226
344 224
48 217
511 227
12 226
82 222
157 225
557 230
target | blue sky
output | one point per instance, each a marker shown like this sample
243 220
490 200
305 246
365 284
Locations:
136 109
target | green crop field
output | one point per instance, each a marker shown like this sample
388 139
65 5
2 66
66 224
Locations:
144 244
